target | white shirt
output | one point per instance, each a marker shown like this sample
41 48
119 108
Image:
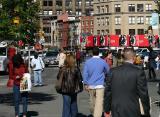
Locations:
39 64
61 58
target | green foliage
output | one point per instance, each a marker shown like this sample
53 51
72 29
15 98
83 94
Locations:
27 12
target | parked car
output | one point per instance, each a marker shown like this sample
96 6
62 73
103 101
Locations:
51 58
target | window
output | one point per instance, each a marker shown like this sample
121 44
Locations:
131 20
148 19
107 8
102 9
83 23
117 8
47 29
98 9
102 32
140 20
132 31
117 20
102 20
140 31
47 3
140 8
50 12
107 21
91 30
117 31
107 31
148 7
98 32
91 22
131 7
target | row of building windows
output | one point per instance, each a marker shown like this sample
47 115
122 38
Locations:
118 31
103 21
87 23
87 30
131 8
134 20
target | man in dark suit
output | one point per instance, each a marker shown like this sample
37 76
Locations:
125 86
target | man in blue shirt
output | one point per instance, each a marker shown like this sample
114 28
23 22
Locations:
94 74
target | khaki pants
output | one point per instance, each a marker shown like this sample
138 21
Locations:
96 101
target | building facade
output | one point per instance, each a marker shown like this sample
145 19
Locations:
122 16
51 9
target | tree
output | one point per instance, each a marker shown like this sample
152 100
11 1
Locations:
19 20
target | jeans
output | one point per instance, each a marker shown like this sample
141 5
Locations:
70 108
37 77
20 96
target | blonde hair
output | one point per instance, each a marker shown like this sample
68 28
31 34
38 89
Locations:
70 61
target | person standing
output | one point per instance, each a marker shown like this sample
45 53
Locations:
19 68
38 66
94 74
152 64
61 57
71 86
119 57
78 57
126 85
109 58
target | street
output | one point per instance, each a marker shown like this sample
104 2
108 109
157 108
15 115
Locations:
45 102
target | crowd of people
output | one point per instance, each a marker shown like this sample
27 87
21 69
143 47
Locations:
114 90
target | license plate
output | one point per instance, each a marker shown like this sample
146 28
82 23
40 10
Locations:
52 62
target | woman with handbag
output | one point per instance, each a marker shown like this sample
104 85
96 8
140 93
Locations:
71 84
19 68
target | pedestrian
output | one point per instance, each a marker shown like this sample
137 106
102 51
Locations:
126 88
61 57
38 65
109 58
94 74
78 57
119 57
19 68
152 64
71 86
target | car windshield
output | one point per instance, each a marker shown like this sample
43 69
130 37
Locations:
51 53
3 52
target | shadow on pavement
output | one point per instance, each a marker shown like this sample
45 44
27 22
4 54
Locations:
34 98
32 113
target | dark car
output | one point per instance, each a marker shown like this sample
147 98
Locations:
51 58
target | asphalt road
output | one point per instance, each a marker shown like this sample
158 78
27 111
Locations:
45 102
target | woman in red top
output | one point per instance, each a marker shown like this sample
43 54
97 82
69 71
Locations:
19 69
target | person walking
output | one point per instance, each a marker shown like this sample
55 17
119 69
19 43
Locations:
152 64
61 58
94 74
19 68
126 88
38 66
71 86
78 57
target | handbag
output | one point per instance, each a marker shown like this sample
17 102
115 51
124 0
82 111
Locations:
10 83
58 84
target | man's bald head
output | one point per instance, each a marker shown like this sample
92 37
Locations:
129 54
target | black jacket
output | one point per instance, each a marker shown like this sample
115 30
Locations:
71 81
124 87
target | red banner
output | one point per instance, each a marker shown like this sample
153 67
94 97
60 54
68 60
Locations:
142 41
89 41
114 41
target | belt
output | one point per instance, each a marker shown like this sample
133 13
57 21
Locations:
37 70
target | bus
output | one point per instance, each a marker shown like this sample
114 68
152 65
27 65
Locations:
3 57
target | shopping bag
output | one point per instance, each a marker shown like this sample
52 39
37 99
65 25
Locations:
25 83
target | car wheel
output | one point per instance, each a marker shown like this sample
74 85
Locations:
46 65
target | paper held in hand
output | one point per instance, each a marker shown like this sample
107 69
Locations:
25 83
